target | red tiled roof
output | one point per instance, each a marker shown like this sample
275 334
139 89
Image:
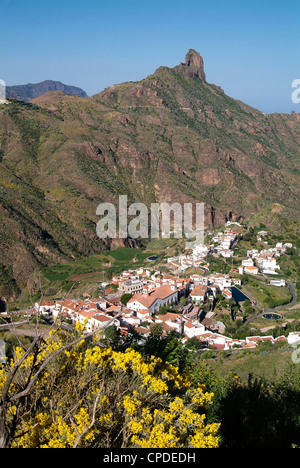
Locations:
158 293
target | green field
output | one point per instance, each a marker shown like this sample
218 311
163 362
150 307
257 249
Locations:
63 271
84 275
266 295
103 266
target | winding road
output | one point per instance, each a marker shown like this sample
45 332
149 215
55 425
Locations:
293 301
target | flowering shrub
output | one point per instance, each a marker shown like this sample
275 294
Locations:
89 396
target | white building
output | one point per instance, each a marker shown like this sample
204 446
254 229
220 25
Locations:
293 337
270 265
279 282
155 300
251 270
191 330
199 292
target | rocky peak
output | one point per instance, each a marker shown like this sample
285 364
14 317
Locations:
193 66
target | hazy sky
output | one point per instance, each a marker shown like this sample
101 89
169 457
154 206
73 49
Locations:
250 48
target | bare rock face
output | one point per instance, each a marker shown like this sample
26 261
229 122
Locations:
194 61
193 66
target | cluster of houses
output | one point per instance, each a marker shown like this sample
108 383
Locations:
264 261
98 314
148 291
221 245
209 286
224 242
194 260
143 281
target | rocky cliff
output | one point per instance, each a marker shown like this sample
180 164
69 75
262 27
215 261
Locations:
193 66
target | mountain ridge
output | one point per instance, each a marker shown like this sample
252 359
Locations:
34 90
171 137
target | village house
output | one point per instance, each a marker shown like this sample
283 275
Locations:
221 280
279 282
144 334
251 270
171 321
197 280
92 320
227 293
199 293
155 300
237 281
193 329
144 315
269 266
128 319
45 307
131 286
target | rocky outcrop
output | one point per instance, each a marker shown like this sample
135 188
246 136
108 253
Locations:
193 66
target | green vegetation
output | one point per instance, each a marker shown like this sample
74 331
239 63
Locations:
218 265
125 298
266 295
255 412
255 392
84 275
7 283
63 157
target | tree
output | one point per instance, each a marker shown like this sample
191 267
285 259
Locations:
125 298
193 343
21 376
112 335
156 330
20 381
183 301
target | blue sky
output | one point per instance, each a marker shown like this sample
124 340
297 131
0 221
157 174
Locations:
250 48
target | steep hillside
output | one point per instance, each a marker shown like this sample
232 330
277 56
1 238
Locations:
170 137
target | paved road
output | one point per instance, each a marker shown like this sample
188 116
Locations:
291 303
293 293
12 325
31 332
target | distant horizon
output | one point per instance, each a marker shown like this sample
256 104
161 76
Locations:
296 108
250 49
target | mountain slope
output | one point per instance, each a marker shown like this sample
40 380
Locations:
170 137
31 91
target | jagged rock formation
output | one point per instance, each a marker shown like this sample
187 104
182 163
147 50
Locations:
193 66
